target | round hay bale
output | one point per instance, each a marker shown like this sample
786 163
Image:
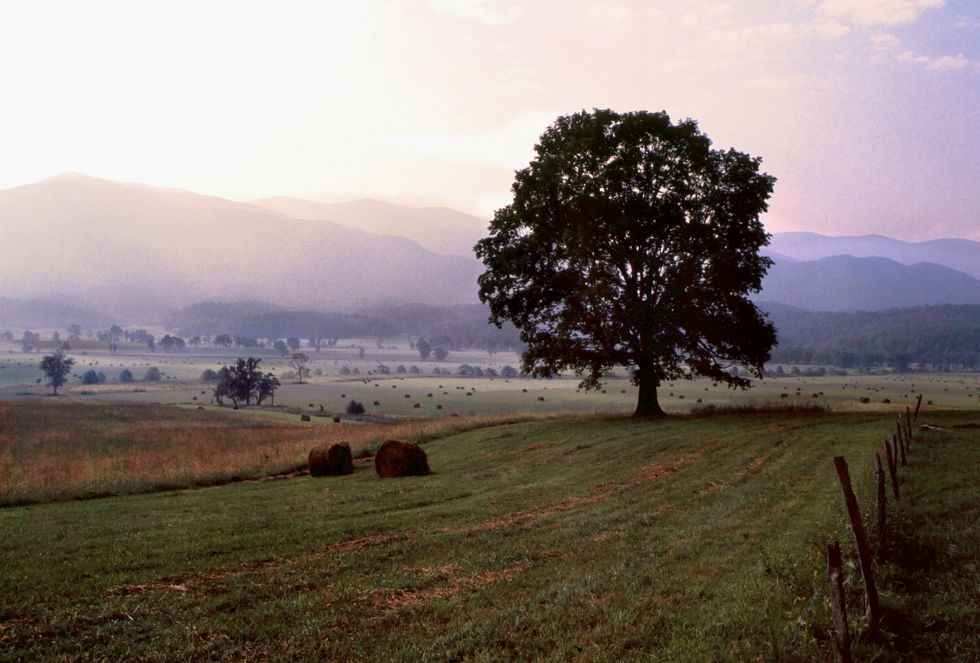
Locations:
304 417
400 459
331 460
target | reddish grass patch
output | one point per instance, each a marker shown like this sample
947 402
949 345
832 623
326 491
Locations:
389 600
59 449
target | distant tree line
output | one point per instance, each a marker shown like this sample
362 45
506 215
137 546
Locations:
932 337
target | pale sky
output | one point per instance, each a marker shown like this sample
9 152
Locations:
867 111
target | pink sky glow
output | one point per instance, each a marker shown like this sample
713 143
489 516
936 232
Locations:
867 111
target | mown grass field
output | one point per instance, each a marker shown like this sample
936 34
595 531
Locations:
588 538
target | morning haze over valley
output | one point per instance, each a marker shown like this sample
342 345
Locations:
484 330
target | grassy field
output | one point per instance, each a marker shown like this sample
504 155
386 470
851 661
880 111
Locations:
588 538
55 449
426 395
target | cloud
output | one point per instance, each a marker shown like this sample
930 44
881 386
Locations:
877 12
888 47
737 39
781 83
488 12
942 63
614 16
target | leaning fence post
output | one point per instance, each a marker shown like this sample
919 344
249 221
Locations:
860 540
880 520
918 404
900 447
892 469
908 422
837 603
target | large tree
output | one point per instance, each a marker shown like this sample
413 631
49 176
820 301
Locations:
629 241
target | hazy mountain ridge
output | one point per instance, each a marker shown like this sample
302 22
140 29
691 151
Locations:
438 229
92 239
135 254
41 313
846 283
960 254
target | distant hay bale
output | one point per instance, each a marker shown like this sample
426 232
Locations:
304 417
331 459
400 459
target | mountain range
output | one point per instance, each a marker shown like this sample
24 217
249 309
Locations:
136 250
93 248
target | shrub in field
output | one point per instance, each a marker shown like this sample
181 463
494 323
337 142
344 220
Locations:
209 375
152 375
355 408
331 459
126 375
400 459
91 377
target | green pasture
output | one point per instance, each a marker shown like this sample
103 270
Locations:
590 538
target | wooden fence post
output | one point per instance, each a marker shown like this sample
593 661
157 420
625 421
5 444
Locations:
880 520
860 540
900 447
892 469
918 404
908 422
837 603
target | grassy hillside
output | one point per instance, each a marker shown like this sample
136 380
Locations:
576 539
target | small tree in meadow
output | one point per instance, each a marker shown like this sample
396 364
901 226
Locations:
298 360
57 368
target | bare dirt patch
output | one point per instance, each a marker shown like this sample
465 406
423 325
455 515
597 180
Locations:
653 472
389 600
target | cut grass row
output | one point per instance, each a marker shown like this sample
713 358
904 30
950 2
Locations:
55 449
686 539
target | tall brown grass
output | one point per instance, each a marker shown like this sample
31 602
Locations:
55 450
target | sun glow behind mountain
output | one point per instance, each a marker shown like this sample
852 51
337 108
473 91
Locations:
866 111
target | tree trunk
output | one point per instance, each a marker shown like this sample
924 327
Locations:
647 404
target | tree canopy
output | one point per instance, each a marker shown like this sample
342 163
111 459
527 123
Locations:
629 241
243 382
56 368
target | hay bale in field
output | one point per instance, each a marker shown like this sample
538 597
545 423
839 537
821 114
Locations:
304 417
331 459
400 459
